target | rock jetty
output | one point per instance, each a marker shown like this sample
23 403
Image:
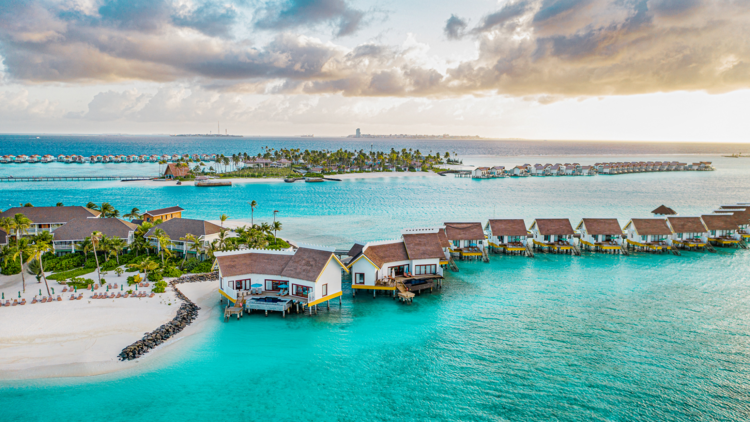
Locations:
187 313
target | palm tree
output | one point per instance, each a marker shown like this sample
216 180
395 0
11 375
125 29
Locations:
253 204
92 206
37 251
85 247
7 224
276 227
107 209
59 204
222 238
189 238
96 238
116 245
139 239
164 241
135 213
146 265
223 218
21 224
265 228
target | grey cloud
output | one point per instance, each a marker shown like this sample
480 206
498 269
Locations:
508 12
287 14
208 18
673 7
454 27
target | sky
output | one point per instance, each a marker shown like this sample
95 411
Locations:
659 70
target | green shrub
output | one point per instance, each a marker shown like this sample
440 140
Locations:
134 279
11 267
190 264
155 276
159 287
64 262
80 283
171 271
65 275
202 267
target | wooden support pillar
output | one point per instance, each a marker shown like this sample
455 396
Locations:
339 301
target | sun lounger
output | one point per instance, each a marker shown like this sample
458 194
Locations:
59 298
89 287
80 296
33 301
72 297
65 289
15 302
115 285
23 301
44 299
125 295
111 295
152 294
119 295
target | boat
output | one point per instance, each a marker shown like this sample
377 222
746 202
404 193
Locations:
212 183
290 179
313 179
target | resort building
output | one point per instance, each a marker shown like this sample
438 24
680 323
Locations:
664 210
648 234
280 281
175 170
467 240
48 218
687 232
742 215
68 237
178 229
601 235
4 238
722 229
163 214
410 264
553 235
507 235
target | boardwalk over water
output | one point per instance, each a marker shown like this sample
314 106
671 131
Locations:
73 178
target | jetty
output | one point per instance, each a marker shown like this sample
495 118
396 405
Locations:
212 183
73 178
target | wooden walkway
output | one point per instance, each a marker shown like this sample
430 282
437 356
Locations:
73 178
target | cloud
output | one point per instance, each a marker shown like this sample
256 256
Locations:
526 48
454 27
289 14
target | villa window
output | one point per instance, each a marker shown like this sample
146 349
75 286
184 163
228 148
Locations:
425 269
302 291
713 232
275 285
546 238
399 270
359 278
324 290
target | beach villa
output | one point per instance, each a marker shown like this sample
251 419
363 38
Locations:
600 234
49 219
280 281
68 237
687 232
507 235
467 240
163 214
554 235
178 228
175 170
722 229
406 265
481 173
648 234
742 216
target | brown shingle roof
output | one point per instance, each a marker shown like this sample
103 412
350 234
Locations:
720 222
176 170
179 227
444 243
508 227
687 224
355 250
599 226
664 210
464 231
651 226
554 226
306 264
163 211
46 215
740 217
82 228
423 246
390 252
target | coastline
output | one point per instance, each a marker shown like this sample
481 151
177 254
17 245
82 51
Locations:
84 337
243 180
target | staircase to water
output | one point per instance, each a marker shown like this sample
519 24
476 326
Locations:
529 252
452 265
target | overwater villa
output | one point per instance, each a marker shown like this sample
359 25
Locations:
481 173
178 230
663 210
601 235
553 235
467 240
281 281
722 230
175 157
163 214
403 266
648 234
687 232
742 214
21 159
48 219
508 235
47 158
68 237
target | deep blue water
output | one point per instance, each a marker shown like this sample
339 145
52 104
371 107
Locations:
643 337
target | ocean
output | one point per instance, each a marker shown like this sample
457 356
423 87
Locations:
596 337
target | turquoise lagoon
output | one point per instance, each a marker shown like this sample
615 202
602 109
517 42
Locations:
596 337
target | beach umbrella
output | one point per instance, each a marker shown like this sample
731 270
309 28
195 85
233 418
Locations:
3 295
53 290
256 285
40 292
76 289
121 286
19 294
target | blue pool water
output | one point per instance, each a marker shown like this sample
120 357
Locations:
642 337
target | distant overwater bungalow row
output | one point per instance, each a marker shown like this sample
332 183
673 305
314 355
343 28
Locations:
303 277
80 159
576 169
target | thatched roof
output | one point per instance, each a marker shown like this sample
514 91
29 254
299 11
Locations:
664 210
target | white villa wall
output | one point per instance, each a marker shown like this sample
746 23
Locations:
365 267
332 277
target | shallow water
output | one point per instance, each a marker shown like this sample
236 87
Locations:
643 337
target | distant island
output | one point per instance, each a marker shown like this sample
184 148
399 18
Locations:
209 135
358 134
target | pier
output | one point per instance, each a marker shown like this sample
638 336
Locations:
74 178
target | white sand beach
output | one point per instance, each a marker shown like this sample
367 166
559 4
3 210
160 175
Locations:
84 337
